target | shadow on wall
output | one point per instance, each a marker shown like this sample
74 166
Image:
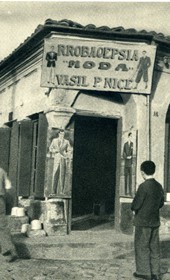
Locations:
155 81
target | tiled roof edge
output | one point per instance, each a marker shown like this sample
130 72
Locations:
69 24
119 29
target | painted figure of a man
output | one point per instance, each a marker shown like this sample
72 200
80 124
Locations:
142 68
62 151
128 157
51 58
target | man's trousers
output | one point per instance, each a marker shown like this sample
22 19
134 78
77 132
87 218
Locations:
128 180
147 250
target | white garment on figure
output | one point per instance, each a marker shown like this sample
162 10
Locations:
60 148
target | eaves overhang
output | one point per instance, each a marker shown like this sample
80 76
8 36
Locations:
71 28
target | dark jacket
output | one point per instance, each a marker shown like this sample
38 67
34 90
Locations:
51 58
144 63
128 151
147 202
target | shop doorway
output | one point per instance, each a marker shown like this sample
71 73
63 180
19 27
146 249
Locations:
94 172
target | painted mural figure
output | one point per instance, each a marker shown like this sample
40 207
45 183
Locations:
62 151
51 58
142 69
128 157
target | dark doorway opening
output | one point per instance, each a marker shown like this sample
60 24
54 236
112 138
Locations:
94 171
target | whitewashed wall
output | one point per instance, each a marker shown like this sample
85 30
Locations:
23 98
159 109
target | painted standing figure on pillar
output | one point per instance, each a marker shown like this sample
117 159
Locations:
128 157
62 153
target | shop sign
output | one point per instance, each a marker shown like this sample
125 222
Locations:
77 63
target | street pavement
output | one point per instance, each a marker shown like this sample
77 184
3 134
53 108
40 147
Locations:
115 269
112 261
99 255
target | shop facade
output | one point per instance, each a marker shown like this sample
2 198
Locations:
70 97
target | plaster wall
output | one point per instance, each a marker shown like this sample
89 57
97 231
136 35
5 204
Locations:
159 107
99 106
130 112
30 97
6 104
142 134
23 97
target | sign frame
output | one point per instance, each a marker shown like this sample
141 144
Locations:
100 65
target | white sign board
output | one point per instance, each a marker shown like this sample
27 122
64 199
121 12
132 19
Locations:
77 63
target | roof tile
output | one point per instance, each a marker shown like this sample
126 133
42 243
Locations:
72 24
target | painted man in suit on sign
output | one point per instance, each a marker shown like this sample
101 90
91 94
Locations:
128 156
142 68
51 58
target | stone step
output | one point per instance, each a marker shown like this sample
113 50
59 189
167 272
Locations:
82 246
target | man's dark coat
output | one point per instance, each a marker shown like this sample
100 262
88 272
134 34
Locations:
147 202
